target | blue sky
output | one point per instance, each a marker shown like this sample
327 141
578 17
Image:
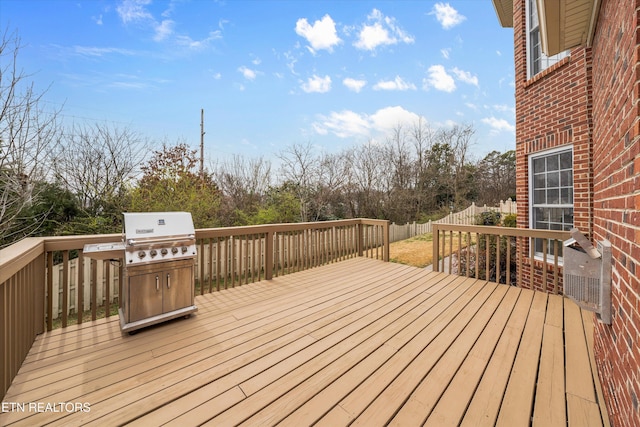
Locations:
270 74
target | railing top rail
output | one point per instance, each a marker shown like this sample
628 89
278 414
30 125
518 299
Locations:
265 228
505 231
66 243
17 256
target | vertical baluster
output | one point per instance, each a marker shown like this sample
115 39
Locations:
210 263
94 289
107 284
65 287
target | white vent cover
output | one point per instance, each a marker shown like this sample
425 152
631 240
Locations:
587 274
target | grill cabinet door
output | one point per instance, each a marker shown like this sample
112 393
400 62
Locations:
145 295
178 288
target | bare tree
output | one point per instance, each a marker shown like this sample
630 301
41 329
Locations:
300 168
458 140
244 184
98 163
364 186
28 134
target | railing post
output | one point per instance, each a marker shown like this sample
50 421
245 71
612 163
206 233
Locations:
385 236
360 237
436 246
268 256
39 300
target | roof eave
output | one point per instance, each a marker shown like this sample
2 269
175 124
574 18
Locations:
559 21
504 10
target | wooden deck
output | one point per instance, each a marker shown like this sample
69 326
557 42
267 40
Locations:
359 342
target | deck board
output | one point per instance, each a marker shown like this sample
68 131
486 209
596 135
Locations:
358 342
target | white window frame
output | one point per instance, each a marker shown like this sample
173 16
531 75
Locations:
533 48
532 201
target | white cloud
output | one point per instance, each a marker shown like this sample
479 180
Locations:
499 125
439 79
248 73
353 84
387 119
396 84
349 124
133 10
317 84
445 53
465 76
198 44
446 15
163 30
343 124
101 51
321 35
382 31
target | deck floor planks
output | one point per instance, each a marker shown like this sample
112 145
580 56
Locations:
485 403
582 406
330 345
185 374
409 344
399 390
148 340
587 319
356 341
169 337
453 402
550 407
327 371
316 406
198 374
519 396
426 394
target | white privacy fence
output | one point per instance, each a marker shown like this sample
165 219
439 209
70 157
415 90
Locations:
464 217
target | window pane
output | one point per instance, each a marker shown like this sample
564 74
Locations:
553 179
552 184
565 160
538 165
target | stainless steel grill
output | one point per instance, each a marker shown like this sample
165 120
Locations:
159 263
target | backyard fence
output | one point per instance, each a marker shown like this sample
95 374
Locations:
464 217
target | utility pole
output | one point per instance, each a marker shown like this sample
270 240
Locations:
202 144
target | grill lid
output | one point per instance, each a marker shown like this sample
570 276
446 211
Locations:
158 236
157 226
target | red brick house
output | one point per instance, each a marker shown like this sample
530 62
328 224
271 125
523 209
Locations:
577 79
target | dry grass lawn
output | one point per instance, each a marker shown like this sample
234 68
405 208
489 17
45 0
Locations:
416 251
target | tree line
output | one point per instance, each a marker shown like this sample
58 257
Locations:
78 179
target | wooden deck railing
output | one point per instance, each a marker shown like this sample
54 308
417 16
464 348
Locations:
500 254
227 257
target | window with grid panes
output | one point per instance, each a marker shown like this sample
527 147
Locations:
551 184
537 60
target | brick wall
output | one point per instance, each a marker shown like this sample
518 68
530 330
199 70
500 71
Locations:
553 109
616 165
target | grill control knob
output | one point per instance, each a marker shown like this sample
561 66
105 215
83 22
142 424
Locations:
153 253
164 251
184 249
141 254
174 250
